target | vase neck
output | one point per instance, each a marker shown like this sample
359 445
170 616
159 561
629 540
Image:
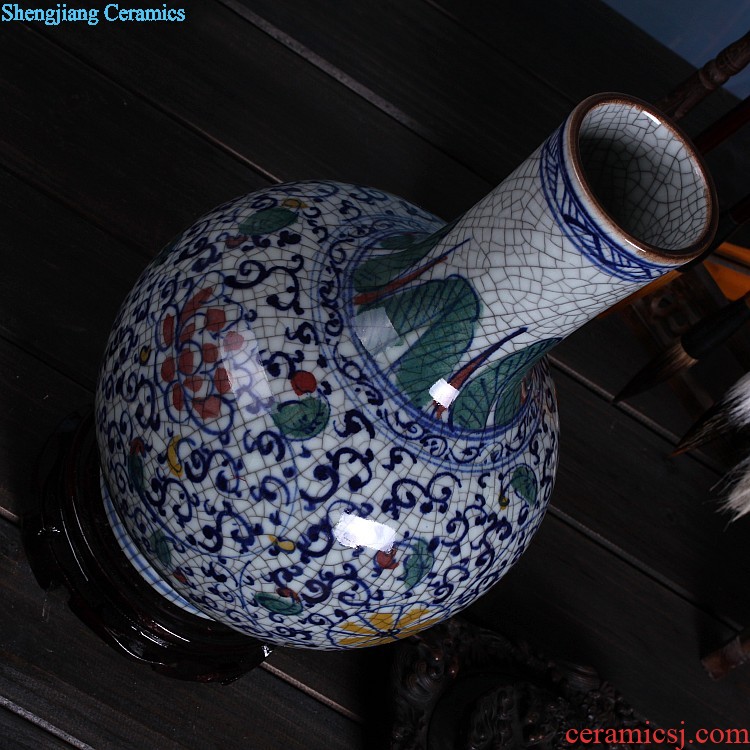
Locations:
615 198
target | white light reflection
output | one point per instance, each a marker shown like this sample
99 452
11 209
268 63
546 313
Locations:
246 375
444 393
375 330
353 531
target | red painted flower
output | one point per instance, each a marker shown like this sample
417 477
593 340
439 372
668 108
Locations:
222 382
210 353
303 382
387 560
192 369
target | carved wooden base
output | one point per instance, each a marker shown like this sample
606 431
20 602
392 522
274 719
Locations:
457 686
69 541
733 654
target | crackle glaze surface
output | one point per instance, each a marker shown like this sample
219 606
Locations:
324 416
242 417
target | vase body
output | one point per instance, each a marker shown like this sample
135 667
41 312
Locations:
324 416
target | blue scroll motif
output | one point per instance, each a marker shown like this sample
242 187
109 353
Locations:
227 509
580 228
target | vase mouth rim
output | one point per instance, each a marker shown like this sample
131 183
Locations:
702 237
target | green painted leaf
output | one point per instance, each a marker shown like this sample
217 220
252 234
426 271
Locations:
418 564
380 270
509 402
499 384
282 605
448 310
399 241
471 409
524 483
302 419
160 545
267 221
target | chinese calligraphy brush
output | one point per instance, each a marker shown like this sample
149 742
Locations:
730 413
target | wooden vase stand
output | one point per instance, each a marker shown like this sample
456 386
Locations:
69 541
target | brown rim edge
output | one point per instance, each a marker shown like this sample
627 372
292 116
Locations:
649 252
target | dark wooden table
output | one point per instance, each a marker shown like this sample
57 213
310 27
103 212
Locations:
114 137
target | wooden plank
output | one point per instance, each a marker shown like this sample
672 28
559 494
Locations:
461 94
55 668
21 733
617 480
355 682
641 639
582 49
467 74
590 353
101 150
34 399
262 103
63 281
586 47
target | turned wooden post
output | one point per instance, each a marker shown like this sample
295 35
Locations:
713 74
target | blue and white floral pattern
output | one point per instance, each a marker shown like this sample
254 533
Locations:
240 417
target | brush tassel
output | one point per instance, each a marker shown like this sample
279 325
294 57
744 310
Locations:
737 501
731 412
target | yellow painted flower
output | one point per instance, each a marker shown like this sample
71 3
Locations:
284 544
173 460
381 627
293 203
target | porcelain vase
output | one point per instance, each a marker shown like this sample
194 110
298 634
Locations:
324 415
